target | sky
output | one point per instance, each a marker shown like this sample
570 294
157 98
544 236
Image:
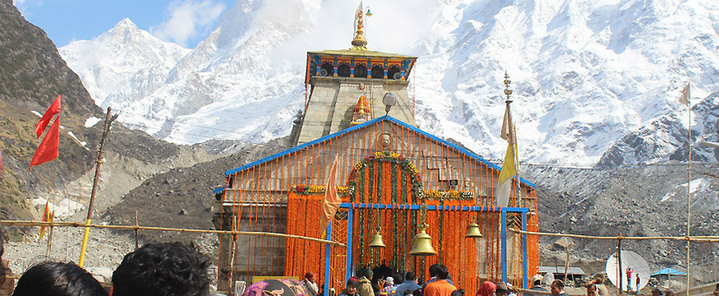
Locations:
184 22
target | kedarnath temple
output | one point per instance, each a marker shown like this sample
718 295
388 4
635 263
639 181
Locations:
408 197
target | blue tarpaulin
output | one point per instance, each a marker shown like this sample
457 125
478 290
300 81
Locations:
669 271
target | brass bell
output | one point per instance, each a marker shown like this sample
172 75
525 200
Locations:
422 244
473 230
377 240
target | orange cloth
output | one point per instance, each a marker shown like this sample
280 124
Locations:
439 288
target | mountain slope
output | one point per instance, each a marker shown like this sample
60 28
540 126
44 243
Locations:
585 73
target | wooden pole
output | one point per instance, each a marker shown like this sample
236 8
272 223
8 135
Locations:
137 230
566 266
106 130
619 266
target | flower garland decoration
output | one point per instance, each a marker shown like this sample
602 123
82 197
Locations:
385 156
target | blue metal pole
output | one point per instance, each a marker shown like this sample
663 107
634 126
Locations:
504 245
524 250
350 219
328 251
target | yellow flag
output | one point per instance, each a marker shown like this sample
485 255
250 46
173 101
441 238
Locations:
686 95
46 216
509 167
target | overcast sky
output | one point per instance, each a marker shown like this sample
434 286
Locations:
185 22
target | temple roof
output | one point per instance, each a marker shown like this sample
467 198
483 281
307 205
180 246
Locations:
361 53
378 120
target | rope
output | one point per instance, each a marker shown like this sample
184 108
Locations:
137 227
682 238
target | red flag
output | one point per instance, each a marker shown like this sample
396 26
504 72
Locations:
47 150
45 120
331 202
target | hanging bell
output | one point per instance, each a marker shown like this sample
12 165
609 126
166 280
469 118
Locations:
377 240
422 244
473 230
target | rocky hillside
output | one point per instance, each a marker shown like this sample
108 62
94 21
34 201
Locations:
643 200
31 76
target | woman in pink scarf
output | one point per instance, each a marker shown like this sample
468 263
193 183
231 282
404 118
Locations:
487 289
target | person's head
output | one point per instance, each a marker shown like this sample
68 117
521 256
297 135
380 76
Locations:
458 292
536 280
389 281
668 293
487 288
656 292
58 279
163 269
591 290
367 272
433 270
351 287
410 276
502 289
417 292
557 287
442 272
310 276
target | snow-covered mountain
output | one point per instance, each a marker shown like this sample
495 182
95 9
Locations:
586 74
123 65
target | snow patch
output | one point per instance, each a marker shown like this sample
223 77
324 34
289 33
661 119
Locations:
90 122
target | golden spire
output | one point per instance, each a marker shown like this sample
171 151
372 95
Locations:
359 43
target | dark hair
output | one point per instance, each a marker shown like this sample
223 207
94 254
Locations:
458 292
352 283
417 292
668 293
592 286
537 283
58 279
442 272
309 275
558 283
3 272
163 269
433 270
410 276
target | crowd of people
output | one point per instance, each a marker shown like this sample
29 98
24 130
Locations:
178 269
440 284
155 269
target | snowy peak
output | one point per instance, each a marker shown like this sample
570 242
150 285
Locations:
123 64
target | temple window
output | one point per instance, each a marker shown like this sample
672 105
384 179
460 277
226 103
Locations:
328 69
394 72
360 70
343 70
377 71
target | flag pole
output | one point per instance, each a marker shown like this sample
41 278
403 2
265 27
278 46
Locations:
512 135
689 183
106 130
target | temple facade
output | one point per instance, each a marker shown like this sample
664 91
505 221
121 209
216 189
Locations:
393 179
